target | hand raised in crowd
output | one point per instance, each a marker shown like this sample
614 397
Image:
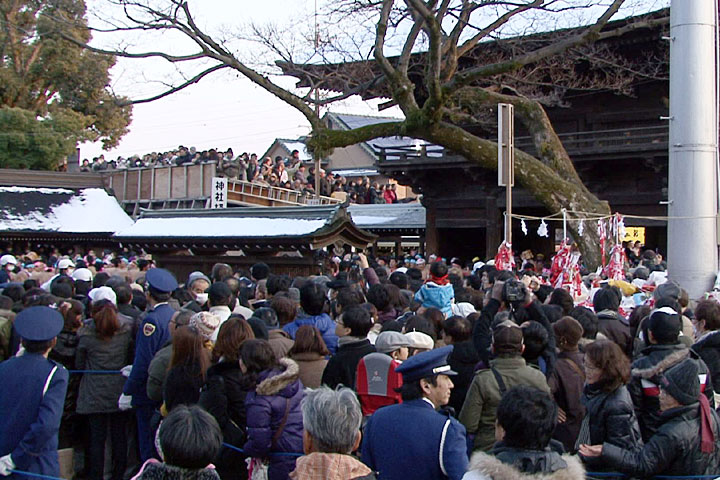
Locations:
363 261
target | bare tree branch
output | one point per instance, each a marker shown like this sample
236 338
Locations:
590 34
502 20
177 88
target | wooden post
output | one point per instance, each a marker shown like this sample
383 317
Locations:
506 160
431 234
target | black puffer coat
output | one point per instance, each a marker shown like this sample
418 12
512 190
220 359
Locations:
612 419
708 348
673 450
223 396
643 387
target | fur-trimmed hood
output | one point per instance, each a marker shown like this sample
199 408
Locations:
274 381
668 361
163 471
493 469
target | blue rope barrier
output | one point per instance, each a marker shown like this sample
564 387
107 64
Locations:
272 454
36 475
97 372
656 477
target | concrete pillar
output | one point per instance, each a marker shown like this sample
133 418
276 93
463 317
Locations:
693 190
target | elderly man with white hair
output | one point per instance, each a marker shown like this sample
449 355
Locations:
331 422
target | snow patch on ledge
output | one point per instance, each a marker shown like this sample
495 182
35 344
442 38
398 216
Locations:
91 210
190 227
46 191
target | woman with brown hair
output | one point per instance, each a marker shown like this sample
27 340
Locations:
189 363
223 395
104 344
310 352
610 415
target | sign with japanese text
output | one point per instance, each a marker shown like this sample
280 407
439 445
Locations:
218 195
634 234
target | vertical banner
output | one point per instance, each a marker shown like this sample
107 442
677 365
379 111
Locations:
218 197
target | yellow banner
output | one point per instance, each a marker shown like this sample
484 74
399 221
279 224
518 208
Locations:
634 234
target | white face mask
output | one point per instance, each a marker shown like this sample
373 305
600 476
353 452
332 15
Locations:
201 298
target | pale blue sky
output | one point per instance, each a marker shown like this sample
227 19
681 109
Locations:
224 109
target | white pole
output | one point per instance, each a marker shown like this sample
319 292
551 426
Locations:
564 212
693 189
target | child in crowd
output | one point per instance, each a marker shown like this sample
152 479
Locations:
437 291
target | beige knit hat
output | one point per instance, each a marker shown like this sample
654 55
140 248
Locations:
206 323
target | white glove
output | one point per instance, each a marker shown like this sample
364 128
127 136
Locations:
126 370
6 465
124 402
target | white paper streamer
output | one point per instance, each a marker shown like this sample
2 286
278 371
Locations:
543 229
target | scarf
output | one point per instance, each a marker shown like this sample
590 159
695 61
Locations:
707 439
328 466
439 280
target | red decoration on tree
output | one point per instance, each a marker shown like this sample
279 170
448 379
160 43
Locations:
602 233
615 269
565 270
504 260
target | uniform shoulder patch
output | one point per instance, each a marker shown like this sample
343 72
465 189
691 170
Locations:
148 329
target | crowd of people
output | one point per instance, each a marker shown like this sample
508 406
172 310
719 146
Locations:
387 368
290 173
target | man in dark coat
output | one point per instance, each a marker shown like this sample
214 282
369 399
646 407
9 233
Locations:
152 335
686 443
412 439
32 397
664 352
352 329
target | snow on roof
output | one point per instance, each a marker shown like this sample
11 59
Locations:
221 227
89 210
356 172
388 216
357 121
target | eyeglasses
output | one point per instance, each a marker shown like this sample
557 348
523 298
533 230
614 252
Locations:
590 366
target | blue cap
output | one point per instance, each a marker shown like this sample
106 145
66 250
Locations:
426 364
38 324
161 280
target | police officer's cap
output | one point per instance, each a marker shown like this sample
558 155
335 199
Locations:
426 364
161 280
38 324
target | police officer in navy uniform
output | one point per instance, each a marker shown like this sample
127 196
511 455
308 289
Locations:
412 439
152 335
32 395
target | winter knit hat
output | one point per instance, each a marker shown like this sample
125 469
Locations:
682 382
205 323
197 276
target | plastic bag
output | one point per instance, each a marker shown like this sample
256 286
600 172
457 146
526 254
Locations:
257 469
